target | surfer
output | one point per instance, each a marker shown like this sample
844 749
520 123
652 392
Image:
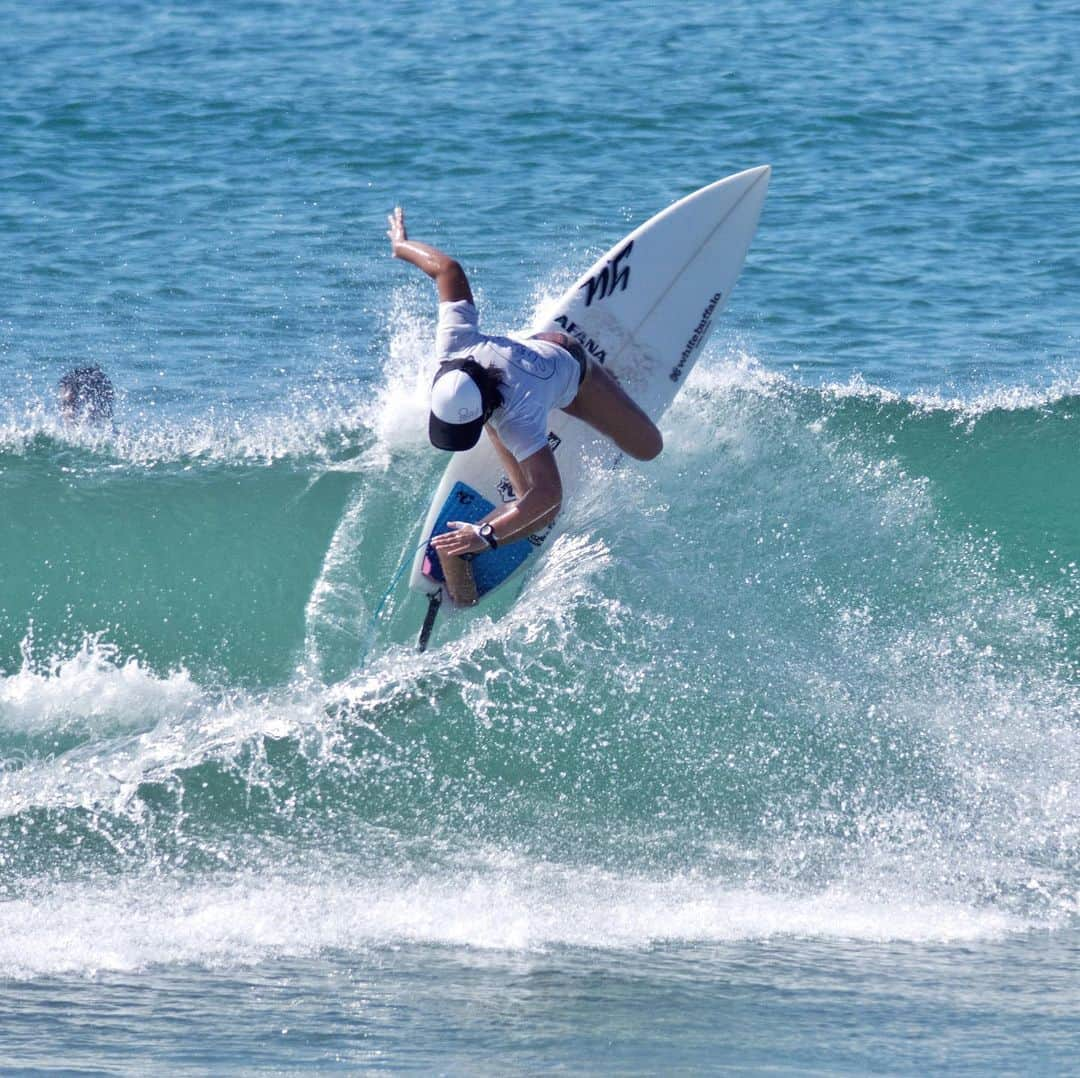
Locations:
86 396
509 387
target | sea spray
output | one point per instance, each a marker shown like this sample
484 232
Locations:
800 683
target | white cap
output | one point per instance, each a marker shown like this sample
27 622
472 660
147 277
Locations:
457 411
455 398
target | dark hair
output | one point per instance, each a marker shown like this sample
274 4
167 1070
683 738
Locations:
86 393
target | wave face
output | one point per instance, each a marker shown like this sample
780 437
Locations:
811 673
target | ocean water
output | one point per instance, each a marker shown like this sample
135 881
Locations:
773 764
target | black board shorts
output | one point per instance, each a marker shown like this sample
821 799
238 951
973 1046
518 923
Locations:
578 353
582 359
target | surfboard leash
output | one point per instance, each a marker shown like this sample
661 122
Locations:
398 573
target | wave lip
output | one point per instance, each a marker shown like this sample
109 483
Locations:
93 690
325 426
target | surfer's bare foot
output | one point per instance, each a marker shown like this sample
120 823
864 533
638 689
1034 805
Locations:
460 582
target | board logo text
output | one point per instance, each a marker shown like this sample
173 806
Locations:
614 275
572 329
700 330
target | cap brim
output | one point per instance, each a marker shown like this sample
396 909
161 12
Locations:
455 437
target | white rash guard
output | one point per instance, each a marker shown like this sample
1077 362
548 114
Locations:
537 376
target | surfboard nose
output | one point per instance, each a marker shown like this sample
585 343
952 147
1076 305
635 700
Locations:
754 183
753 176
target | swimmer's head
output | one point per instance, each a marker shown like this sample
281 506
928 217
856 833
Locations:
86 396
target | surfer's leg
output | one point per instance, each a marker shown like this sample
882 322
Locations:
607 407
459 580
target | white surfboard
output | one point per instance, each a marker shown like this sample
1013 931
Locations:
644 310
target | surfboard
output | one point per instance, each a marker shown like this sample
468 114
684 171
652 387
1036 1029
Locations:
644 310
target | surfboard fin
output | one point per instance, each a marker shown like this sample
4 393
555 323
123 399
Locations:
434 602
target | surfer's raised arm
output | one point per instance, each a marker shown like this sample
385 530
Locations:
445 271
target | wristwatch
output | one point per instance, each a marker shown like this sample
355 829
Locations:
487 533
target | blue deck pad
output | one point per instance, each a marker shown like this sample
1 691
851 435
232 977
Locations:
492 567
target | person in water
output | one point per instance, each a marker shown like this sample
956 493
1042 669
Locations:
509 387
86 396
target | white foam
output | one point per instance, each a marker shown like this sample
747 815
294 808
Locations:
304 423
969 406
94 689
735 370
502 905
182 726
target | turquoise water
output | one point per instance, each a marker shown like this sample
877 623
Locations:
775 762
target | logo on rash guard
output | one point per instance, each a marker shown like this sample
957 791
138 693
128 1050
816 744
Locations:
614 275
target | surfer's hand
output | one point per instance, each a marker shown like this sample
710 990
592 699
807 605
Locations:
464 539
396 231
